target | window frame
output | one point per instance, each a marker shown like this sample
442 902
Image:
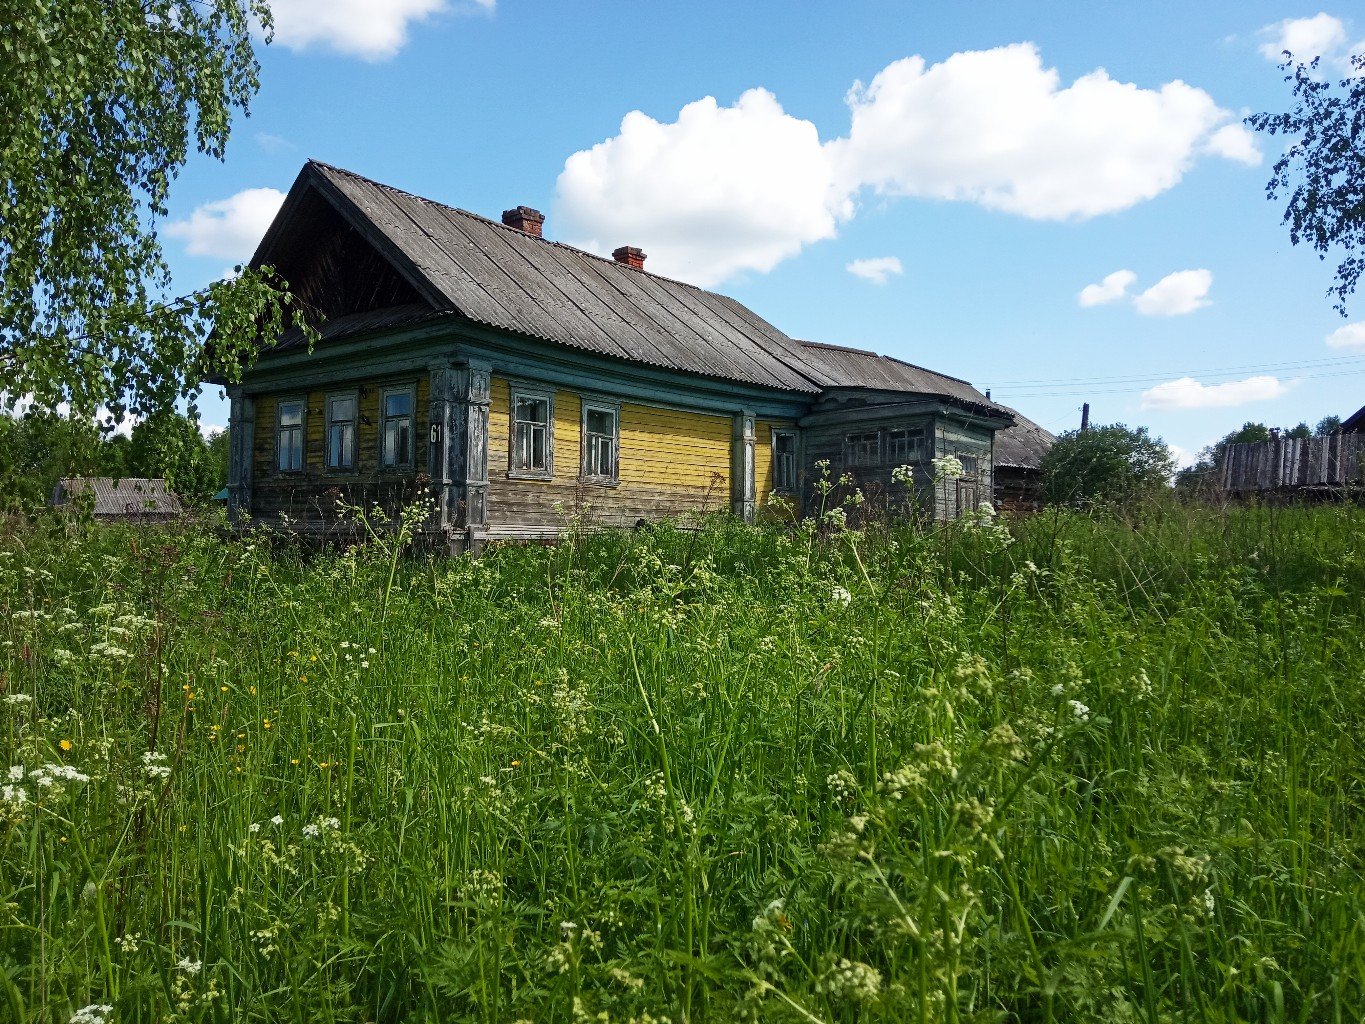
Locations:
302 427
383 418
546 395
327 423
590 405
849 447
974 475
780 432
920 436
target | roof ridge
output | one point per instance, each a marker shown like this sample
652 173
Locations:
507 227
882 355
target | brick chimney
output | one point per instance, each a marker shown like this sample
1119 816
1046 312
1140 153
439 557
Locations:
523 218
630 256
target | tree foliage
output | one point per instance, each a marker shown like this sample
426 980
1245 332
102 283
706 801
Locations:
1109 463
1323 171
102 101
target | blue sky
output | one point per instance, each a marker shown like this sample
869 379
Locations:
937 182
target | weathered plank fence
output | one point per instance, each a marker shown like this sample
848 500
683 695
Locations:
1290 463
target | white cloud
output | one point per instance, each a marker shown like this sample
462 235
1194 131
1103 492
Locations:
723 190
719 191
18 407
1350 336
228 228
371 29
1188 393
877 269
209 429
1111 289
997 128
1176 294
1319 36
1235 142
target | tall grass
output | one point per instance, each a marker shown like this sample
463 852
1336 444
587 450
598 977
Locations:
1092 770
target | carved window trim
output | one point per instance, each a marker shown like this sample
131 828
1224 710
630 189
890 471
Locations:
330 424
590 448
516 470
384 419
785 483
297 431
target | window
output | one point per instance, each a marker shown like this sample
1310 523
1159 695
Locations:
863 449
289 434
968 464
532 443
905 446
600 442
395 430
784 460
341 414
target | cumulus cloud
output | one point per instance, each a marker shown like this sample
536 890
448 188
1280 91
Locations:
1350 336
998 128
1188 393
19 406
1176 294
228 228
1111 289
877 269
370 29
1319 36
719 191
1235 142
723 190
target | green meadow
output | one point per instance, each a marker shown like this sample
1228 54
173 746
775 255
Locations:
1073 768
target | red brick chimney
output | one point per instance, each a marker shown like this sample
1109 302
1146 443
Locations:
630 256
523 218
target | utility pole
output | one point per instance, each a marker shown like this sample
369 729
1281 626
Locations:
1085 417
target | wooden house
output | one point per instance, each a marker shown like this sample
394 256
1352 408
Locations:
1019 452
517 379
125 500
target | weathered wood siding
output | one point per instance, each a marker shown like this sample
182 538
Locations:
953 497
1288 463
670 461
309 497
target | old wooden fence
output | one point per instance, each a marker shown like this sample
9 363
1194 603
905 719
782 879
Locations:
1288 463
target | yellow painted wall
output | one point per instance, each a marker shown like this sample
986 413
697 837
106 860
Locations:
669 462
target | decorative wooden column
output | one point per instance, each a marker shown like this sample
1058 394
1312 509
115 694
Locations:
467 454
241 443
442 429
742 485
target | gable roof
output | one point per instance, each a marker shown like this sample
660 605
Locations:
457 262
1023 445
1355 423
125 496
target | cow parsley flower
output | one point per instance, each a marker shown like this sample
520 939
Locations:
95 1013
1078 709
190 966
947 467
841 596
16 773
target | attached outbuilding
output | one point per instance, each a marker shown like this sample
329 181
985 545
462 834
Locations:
1019 452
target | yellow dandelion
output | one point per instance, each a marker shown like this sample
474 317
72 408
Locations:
265 724
66 746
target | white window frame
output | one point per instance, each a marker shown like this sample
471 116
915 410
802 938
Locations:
411 416
918 438
614 410
778 486
515 470
328 423
301 429
853 440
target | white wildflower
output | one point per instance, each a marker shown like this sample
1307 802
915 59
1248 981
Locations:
18 698
254 827
1058 689
852 980
947 467
1078 709
95 1013
16 796
840 596
277 821
190 966
16 773
310 831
